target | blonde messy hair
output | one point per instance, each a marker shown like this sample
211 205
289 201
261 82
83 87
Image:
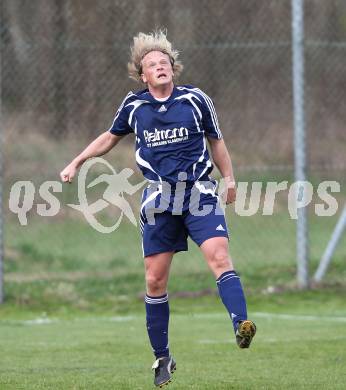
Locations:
145 43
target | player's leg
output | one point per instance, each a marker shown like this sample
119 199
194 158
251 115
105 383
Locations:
160 241
210 233
216 253
156 301
157 272
157 308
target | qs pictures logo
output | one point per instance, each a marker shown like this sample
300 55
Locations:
22 196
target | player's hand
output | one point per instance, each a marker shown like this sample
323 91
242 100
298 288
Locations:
231 194
68 173
229 191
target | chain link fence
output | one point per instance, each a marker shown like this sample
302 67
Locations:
64 73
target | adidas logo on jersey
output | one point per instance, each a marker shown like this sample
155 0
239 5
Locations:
220 228
162 108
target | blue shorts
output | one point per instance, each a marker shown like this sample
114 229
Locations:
169 233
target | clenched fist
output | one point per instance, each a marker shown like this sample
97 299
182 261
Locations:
68 173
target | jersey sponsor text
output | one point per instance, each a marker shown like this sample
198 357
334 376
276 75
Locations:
162 137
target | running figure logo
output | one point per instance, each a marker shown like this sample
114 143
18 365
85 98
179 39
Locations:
118 185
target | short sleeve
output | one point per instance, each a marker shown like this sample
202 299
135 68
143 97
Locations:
209 118
120 125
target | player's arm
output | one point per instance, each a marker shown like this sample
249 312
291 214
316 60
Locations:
100 146
222 160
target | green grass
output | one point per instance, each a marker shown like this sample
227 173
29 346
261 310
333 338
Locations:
113 353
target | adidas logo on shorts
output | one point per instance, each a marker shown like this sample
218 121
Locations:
220 228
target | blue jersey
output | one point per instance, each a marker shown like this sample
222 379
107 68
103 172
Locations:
171 134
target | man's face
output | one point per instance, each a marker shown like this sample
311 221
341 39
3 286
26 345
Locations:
156 69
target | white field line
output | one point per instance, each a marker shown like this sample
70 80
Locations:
40 321
49 321
273 316
298 317
130 318
272 340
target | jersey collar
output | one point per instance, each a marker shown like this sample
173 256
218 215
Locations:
148 96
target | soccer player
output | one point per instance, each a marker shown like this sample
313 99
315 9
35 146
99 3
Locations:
172 125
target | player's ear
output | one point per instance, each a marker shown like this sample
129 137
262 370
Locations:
144 79
172 66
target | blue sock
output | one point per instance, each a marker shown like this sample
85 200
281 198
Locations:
232 295
157 309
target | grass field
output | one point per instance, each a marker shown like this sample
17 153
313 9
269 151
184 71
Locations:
290 351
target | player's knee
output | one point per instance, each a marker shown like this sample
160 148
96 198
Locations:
156 284
220 259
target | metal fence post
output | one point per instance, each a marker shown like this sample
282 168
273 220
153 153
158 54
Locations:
330 249
1 181
299 136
